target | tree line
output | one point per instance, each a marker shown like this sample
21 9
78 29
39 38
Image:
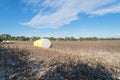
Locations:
23 38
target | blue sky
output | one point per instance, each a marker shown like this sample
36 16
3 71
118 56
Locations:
60 18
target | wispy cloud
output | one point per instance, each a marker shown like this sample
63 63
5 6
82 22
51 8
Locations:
109 9
56 13
31 2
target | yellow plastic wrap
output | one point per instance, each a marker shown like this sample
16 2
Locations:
42 43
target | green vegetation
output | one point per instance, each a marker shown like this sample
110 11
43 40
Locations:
23 38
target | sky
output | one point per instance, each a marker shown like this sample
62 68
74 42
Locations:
60 18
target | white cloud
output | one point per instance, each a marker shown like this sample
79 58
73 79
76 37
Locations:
110 9
56 13
31 2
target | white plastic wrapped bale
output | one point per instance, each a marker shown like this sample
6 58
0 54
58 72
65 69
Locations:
42 43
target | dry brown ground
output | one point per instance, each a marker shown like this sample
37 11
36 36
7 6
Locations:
66 60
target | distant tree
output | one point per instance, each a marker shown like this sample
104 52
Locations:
52 38
72 39
35 38
101 39
1 39
13 38
27 38
21 38
94 38
67 38
91 38
60 39
81 38
5 36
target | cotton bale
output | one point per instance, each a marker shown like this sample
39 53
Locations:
42 43
6 42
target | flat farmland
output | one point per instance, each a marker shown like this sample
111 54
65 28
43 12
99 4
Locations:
65 60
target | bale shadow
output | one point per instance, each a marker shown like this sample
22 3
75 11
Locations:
14 65
78 72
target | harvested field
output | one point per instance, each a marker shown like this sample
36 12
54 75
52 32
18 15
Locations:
65 60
